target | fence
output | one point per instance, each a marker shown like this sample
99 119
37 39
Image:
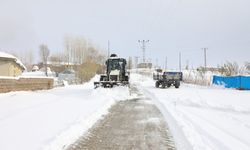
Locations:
237 82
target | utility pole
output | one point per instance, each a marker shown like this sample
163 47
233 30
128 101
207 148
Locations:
166 63
108 49
156 62
143 48
187 65
180 61
136 62
205 58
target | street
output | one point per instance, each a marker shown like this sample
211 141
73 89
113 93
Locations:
131 124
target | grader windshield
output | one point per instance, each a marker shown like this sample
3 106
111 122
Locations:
116 64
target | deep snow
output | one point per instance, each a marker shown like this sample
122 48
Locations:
207 118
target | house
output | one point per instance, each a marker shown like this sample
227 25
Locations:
10 65
35 68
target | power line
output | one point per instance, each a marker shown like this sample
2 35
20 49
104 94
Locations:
143 48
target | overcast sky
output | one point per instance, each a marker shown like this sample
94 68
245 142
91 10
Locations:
172 26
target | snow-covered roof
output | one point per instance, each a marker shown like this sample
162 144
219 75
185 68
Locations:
6 55
35 67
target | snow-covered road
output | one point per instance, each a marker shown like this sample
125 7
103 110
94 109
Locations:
206 118
130 124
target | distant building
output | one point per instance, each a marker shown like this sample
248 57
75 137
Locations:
35 68
60 66
145 65
212 69
10 65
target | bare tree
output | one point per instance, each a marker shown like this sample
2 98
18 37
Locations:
75 49
229 69
44 54
67 48
86 58
247 67
57 58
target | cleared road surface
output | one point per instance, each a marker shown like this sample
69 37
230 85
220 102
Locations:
130 125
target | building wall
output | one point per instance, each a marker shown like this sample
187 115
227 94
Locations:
4 68
9 68
15 69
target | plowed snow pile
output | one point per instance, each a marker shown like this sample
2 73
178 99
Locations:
203 118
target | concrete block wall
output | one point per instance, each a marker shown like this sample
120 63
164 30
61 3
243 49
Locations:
25 84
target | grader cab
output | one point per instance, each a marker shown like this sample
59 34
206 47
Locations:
116 73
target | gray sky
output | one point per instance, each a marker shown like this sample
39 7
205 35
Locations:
171 26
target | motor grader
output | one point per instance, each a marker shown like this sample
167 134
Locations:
116 73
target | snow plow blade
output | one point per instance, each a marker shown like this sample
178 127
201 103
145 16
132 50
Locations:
110 84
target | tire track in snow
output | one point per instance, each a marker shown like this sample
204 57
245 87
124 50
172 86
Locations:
216 128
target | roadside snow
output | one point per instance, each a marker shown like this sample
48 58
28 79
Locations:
52 119
207 118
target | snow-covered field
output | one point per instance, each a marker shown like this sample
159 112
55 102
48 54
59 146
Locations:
203 118
54 118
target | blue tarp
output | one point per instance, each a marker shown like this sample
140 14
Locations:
237 82
245 82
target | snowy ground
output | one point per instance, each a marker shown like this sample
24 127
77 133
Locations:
206 118
54 118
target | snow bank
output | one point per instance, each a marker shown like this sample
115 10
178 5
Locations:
203 117
198 77
82 124
53 119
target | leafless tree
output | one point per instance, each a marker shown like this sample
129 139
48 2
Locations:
57 58
247 67
229 69
44 54
86 57
75 49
